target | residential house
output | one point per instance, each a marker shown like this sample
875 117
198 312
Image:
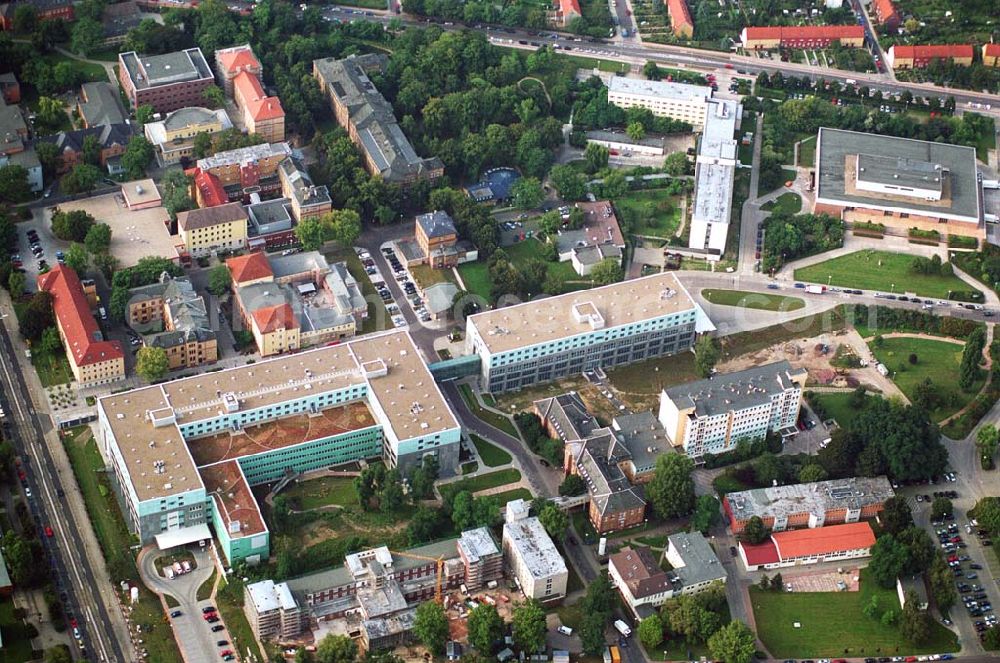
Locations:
10 89
92 359
680 19
98 104
262 115
916 57
118 19
307 199
599 238
230 62
887 15
437 237
991 55
171 315
111 138
566 11
13 147
44 9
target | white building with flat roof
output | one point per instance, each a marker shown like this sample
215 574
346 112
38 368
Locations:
616 324
532 557
715 175
680 101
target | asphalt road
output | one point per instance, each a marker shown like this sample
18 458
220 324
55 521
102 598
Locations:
73 571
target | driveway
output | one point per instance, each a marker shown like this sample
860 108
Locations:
193 633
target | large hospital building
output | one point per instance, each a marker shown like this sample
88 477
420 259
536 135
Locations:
608 326
185 454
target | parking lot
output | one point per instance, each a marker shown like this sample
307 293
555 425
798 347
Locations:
405 283
377 278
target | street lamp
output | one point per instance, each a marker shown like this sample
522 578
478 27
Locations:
892 288
829 279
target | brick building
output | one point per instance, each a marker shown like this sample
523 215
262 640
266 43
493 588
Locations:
915 57
802 36
166 82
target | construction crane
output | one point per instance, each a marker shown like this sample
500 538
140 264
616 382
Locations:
439 564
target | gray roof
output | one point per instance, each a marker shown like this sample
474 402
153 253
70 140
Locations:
310 318
598 463
568 416
187 311
436 224
185 117
373 117
901 171
118 18
734 391
4 575
535 547
836 145
701 564
12 127
439 296
477 543
591 255
148 71
611 136
644 437
305 192
244 155
269 216
206 217
107 135
348 296
815 498
297 263
103 104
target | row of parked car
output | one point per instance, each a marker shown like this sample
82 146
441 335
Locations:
409 288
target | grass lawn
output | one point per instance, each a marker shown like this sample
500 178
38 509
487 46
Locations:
205 591
483 481
529 249
655 212
92 71
115 540
837 407
426 276
51 369
477 278
807 152
490 454
511 495
832 624
754 300
498 421
364 4
652 375
742 343
591 63
936 360
788 202
879 270
376 309
230 605
16 643
322 491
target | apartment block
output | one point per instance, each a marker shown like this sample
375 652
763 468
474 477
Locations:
811 505
166 82
914 57
608 326
715 176
92 359
679 101
482 558
802 36
240 173
272 611
171 315
532 557
184 454
369 120
712 416
208 229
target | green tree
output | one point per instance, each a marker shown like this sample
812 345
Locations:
528 629
914 624
651 70
614 185
570 184
651 631
48 156
214 97
889 558
25 18
706 513
219 280
591 633
58 654
811 473
671 490
138 153
485 627
991 638
336 649
144 113
37 316
596 157
554 520
15 284
87 36
341 226
706 354
430 626
676 164
77 258
462 514
50 344
690 618
527 193
202 145
14 184
987 438
81 179
896 515
175 188
607 271
71 226
151 363
572 485
635 131
941 583
755 531
98 238
733 643
424 525
940 507
50 112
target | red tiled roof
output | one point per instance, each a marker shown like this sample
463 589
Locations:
783 32
261 106
931 51
226 483
69 303
249 267
569 7
239 58
884 9
272 318
679 13
991 50
762 553
823 540
211 189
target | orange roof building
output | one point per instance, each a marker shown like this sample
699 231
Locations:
912 57
887 14
680 18
991 55
262 114
208 189
810 546
567 10
251 268
802 36
229 62
92 359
